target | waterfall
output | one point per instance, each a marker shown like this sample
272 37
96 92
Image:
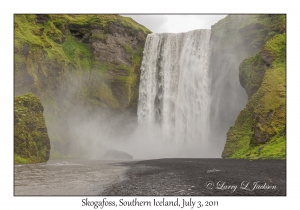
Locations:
174 92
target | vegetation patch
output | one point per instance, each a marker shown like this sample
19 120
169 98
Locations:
31 141
247 33
260 129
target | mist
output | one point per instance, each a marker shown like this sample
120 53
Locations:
189 97
93 135
228 97
89 131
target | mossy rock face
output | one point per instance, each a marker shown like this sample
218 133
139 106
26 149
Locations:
233 39
260 129
71 61
252 71
50 48
31 141
246 34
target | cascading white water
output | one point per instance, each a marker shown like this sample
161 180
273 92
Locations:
174 92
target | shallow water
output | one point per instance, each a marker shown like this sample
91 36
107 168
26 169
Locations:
67 177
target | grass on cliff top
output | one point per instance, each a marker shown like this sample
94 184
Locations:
257 28
272 21
97 19
271 96
39 39
47 37
127 21
26 31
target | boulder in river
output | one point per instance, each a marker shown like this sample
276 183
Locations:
117 155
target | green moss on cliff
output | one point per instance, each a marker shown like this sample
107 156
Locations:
66 60
101 21
31 141
251 74
260 129
247 33
78 53
129 22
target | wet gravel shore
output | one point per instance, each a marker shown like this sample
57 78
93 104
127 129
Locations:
208 177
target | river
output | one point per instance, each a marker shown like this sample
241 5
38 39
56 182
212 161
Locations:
67 177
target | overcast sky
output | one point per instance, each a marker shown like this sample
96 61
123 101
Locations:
176 23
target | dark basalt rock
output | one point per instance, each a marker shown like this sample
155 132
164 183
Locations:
117 155
41 19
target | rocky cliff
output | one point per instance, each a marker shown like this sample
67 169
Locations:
76 61
31 141
259 129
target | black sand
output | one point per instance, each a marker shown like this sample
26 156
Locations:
208 177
